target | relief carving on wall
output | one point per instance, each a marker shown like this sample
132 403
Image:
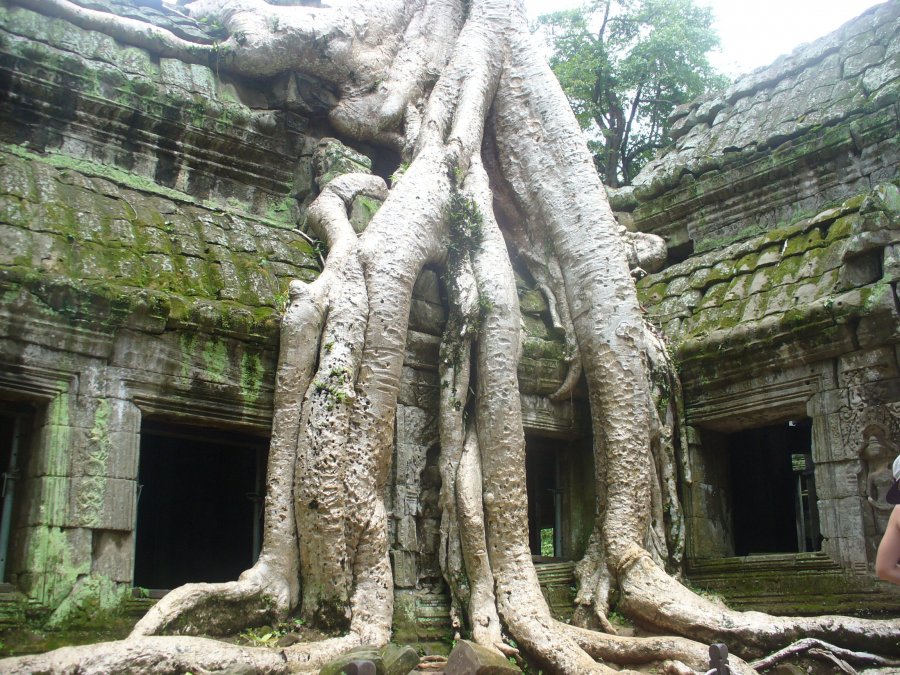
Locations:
877 453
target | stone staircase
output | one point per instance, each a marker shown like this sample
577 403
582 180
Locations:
557 580
804 584
17 609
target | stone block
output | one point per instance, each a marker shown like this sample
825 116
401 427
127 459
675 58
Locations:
404 620
47 501
419 388
842 517
399 660
112 555
357 656
102 503
409 463
56 557
426 316
541 415
828 440
882 327
867 365
403 564
428 287
836 480
470 658
406 533
114 454
825 402
422 350
51 451
416 426
362 210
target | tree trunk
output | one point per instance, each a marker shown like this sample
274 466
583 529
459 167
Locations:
428 77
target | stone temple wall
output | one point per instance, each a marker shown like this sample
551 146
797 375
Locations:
148 220
780 204
148 240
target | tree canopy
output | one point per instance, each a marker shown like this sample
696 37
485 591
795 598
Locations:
625 65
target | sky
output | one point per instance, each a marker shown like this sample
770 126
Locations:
754 34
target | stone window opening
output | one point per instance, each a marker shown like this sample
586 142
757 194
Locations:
772 489
558 474
16 422
199 504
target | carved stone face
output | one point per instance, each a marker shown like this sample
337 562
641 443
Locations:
874 449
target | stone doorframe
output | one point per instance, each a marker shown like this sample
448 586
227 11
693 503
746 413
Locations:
808 390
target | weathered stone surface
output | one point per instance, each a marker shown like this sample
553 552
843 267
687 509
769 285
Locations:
399 660
333 159
371 655
470 658
112 555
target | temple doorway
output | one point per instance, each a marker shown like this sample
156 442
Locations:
199 509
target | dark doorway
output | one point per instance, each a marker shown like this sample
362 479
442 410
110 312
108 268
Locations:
773 489
559 478
199 505
544 497
15 425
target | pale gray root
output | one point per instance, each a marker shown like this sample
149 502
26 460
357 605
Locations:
667 427
454 386
371 604
546 273
483 618
453 373
151 656
498 420
423 53
592 598
326 560
132 31
468 508
375 107
645 651
806 644
654 599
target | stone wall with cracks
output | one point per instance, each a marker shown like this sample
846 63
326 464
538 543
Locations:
780 204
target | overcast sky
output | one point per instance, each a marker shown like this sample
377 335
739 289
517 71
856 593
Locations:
755 33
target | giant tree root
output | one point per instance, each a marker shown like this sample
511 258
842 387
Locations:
807 644
151 655
654 600
425 77
214 609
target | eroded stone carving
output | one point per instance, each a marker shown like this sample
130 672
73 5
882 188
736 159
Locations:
877 454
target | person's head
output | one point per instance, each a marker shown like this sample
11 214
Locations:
893 494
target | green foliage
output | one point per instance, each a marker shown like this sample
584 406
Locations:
617 619
547 548
625 65
268 636
466 223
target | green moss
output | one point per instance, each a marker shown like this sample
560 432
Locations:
216 362
131 180
251 377
281 211
536 348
